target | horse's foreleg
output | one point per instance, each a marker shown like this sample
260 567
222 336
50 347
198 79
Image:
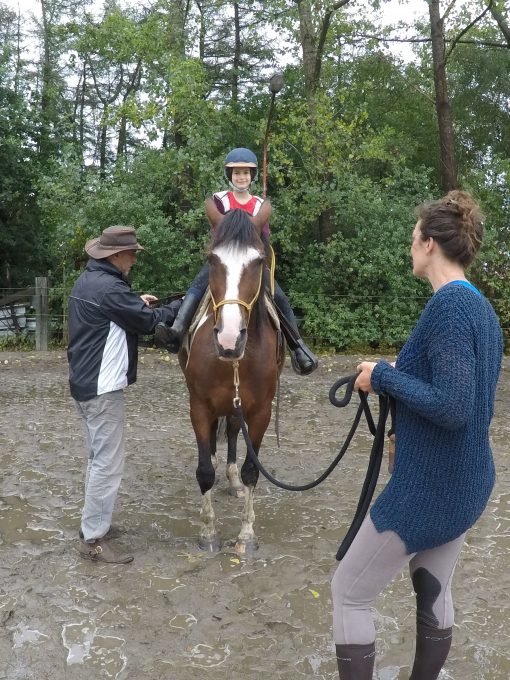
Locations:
235 487
205 474
247 540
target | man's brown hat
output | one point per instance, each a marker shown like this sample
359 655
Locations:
112 240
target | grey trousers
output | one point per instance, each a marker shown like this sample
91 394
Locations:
104 423
371 563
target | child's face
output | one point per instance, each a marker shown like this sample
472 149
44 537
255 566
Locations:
241 177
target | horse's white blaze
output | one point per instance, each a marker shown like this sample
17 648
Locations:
235 260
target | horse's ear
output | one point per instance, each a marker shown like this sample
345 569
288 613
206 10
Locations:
213 214
263 215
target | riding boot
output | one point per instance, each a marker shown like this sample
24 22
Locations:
171 337
302 358
355 662
432 647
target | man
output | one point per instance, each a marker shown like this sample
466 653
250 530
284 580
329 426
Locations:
105 318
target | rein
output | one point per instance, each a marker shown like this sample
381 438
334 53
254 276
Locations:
376 453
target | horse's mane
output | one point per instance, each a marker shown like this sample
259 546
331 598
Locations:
236 228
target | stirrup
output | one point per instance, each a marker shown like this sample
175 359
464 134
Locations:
303 360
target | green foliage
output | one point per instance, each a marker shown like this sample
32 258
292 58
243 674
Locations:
357 288
20 226
20 342
142 106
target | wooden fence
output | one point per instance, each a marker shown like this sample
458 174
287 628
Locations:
13 319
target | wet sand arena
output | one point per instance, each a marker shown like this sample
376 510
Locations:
176 613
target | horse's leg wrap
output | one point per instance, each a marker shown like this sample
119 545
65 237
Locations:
432 647
247 541
355 662
209 539
303 359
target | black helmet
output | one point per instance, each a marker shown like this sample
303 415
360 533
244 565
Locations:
241 158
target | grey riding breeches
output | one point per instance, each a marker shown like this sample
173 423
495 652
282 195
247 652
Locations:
371 563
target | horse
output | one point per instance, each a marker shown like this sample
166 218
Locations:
235 328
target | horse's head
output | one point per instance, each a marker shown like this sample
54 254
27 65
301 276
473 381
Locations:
236 262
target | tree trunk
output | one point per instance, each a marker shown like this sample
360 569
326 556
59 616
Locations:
46 85
237 57
103 139
18 54
443 109
308 49
312 47
503 25
202 34
132 86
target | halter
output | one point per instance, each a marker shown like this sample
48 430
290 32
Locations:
247 305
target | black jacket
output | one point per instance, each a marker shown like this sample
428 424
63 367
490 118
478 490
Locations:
105 319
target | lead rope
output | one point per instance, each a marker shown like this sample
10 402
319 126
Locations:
375 459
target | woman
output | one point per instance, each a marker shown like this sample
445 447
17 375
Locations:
443 384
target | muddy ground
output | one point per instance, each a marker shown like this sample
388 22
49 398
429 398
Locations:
176 613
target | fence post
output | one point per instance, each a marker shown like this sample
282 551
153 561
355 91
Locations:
41 313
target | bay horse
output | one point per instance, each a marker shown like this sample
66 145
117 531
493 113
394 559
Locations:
236 328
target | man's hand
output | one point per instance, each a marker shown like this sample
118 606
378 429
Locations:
148 299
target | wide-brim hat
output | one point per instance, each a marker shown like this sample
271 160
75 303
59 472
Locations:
112 240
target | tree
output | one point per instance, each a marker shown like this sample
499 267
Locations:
443 108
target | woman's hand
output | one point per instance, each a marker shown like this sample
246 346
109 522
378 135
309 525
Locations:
363 381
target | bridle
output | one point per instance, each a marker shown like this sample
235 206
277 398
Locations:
235 301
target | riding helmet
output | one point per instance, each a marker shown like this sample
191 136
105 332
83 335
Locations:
241 158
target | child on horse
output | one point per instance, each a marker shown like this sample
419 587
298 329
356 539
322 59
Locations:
240 171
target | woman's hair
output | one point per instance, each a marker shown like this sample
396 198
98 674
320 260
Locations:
455 223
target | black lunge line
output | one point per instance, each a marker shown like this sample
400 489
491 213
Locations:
374 464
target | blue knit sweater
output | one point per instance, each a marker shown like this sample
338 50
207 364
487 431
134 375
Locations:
444 384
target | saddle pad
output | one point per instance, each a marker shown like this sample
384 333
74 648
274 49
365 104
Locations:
200 316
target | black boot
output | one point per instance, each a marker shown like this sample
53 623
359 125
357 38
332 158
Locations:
432 647
355 662
171 337
303 359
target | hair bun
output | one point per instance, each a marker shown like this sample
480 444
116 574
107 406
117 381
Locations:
456 223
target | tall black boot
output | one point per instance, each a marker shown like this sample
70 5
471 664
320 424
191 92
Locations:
432 647
355 662
302 358
171 337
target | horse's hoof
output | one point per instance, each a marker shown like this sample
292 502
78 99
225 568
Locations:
236 492
246 547
211 545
